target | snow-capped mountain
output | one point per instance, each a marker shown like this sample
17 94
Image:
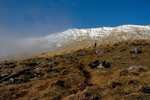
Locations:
69 38
75 36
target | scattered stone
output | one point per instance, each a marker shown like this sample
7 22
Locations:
106 64
6 74
96 98
123 73
47 58
12 89
50 63
141 70
115 84
133 82
42 63
136 50
60 83
29 63
12 79
37 68
117 57
21 77
133 67
117 44
13 65
145 90
94 64
134 57
56 63
64 72
122 50
134 73
100 66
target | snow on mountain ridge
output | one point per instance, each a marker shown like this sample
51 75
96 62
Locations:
78 35
73 37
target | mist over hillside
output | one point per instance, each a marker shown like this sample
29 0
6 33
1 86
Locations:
18 48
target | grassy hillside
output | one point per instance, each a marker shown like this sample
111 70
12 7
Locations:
68 75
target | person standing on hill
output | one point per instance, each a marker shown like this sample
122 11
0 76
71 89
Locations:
95 45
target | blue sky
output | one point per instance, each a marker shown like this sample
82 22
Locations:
34 18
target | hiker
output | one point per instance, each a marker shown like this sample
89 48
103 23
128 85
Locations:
99 51
95 45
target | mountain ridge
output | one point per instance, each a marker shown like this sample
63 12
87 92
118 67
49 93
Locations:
74 37
91 34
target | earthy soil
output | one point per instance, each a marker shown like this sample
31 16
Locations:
68 75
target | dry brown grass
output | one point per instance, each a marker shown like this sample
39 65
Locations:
70 78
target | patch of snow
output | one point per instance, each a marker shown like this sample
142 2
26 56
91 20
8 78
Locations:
78 35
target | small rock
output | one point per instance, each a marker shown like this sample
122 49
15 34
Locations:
145 90
50 63
133 67
136 50
35 74
6 74
96 98
134 57
37 68
50 66
60 83
56 63
12 79
123 73
29 63
115 84
42 63
106 64
117 44
100 66
133 82
122 50
12 66
141 70
12 89
134 74
64 72
94 64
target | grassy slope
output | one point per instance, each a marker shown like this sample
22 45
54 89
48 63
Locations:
70 78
